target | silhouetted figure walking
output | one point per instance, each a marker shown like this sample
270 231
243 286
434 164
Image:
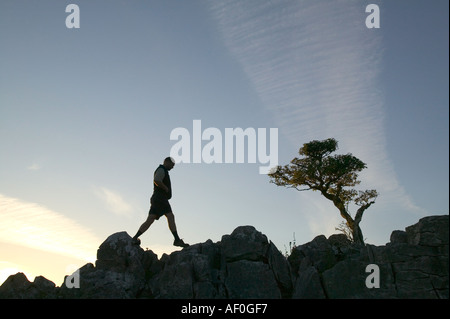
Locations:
159 203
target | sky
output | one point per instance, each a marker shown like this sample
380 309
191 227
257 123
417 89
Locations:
87 114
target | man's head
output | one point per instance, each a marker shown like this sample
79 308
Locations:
169 163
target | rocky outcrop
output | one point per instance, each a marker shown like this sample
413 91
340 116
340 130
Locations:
413 265
245 264
18 287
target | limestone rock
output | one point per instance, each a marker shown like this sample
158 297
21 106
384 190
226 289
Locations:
19 287
244 243
251 279
245 264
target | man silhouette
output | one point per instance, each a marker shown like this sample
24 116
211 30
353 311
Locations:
159 203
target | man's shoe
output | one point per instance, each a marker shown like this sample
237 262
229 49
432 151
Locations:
180 243
136 241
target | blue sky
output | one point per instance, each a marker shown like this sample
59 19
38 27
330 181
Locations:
86 116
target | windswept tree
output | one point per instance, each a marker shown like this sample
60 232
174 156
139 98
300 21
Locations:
334 176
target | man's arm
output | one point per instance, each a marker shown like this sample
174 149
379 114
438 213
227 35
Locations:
161 185
158 180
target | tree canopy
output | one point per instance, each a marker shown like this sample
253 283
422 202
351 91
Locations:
334 176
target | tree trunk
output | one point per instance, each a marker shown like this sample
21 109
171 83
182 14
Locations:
353 224
357 234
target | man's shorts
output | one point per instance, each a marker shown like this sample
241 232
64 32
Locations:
159 205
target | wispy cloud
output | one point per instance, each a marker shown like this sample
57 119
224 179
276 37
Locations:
313 63
34 167
316 66
35 226
113 201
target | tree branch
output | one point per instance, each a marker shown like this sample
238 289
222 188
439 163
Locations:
360 211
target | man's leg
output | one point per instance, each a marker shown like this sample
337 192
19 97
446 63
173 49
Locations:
150 219
171 221
173 228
